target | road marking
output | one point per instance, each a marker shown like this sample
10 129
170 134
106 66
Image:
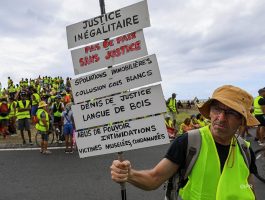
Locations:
30 149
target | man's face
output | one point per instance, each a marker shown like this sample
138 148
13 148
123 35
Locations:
58 100
173 96
223 125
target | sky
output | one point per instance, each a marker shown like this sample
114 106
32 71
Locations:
200 45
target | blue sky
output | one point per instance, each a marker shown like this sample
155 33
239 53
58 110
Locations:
200 45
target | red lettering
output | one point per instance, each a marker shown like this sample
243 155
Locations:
119 39
138 45
118 52
91 58
122 50
111 43
133 35
92 48
127 48
97 46
87 61
112 53
105 43
87 49
81 62
108 55
125 38
96 58
131 47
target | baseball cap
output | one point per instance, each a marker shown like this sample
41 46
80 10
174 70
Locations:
167 116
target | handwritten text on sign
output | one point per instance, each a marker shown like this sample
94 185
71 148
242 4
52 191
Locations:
125 106
122 137
110 52
142 71
118 22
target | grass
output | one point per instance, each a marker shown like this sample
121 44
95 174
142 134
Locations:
183 114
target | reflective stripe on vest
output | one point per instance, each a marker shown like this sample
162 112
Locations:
57 113
180 129
24 114
37 98
40 126
206 182
172 105
169 123
257 107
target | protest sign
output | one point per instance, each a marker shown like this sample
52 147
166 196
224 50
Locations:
110 52
121 107
137 73
122 137
118 22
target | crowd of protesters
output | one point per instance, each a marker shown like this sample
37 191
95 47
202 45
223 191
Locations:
43 101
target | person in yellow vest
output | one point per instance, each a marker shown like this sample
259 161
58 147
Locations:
172 108
13 115
56 111
17 88
11 89
220 171
4 112
37 87
23 117
201 120
8 81
43 126
185 126
51 99
171 130
259 109
194 124
35 100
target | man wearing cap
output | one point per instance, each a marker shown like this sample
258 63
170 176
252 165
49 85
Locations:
220 171
23 117
259 108
43 126
172 108
170 128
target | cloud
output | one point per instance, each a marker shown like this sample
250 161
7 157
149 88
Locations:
200 45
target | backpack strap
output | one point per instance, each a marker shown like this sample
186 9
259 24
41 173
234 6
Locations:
68 121
244 151
193 150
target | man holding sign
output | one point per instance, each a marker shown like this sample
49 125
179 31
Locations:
228 109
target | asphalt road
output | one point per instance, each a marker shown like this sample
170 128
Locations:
31 175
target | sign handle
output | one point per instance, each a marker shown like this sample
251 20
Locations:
120 154
123 185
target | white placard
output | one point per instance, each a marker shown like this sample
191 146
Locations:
118 22
143 71
125 106
108 53
122 137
